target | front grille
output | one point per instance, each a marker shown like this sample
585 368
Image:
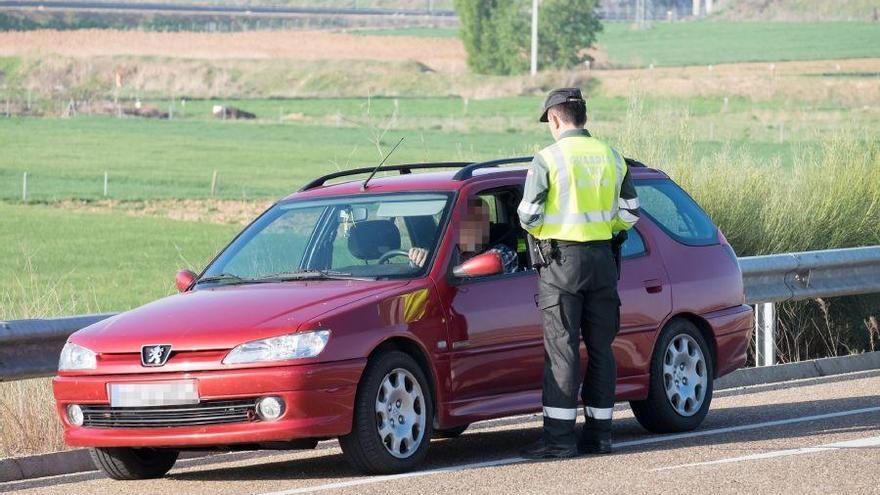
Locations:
205 413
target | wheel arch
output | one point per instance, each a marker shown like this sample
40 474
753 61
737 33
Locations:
705 330
416 351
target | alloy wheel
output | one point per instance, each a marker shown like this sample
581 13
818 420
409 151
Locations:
685 375
400 413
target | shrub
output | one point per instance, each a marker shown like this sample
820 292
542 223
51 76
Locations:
496 33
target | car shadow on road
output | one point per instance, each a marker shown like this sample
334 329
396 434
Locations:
504 440
482 445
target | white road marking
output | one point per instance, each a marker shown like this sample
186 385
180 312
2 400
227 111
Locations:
858 443
379 479
621 445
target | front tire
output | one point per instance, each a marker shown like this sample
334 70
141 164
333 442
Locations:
681 382
393 417
123 463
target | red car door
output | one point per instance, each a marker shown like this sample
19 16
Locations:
646 300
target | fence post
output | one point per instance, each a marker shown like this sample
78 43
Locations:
214 183
106 180
24 187
765 334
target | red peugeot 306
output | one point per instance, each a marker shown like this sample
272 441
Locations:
313 323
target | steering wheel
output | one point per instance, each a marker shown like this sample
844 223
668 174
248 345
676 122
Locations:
390 254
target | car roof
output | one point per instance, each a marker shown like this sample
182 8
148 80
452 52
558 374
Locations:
437 180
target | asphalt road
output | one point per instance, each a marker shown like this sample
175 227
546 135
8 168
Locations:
809 437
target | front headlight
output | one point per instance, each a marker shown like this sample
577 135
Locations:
285 347
76 357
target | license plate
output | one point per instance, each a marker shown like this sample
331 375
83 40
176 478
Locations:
171 393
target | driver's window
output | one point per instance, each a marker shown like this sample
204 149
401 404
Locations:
504 228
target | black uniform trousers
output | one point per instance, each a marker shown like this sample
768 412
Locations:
578 298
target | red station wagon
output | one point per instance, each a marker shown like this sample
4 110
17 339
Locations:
313 323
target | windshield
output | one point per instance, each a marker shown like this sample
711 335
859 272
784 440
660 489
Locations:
340 237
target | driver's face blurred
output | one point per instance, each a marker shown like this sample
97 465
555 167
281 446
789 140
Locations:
474 234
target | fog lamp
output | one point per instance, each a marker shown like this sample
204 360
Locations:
75 415
270 408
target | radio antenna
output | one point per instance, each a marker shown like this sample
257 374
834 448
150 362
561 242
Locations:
364 186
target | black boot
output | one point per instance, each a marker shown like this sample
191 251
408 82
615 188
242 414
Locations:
544 450
595 437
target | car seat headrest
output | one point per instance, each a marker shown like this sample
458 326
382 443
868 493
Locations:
370 239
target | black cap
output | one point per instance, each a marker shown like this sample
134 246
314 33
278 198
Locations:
561 95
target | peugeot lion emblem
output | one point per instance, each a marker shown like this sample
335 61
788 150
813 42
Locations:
155 354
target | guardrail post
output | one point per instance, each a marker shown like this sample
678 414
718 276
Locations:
765 334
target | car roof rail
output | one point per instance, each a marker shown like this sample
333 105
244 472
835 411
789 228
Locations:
404 169
468 171
634 163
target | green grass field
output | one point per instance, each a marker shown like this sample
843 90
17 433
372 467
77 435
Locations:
67 158
709 42
159 159
53 260
715 42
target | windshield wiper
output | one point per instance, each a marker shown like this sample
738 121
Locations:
223 277
312 275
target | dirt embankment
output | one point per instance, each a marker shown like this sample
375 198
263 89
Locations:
439 54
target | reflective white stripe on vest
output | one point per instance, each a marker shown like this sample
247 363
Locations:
560 413
562 175
530 208
627 217
629 204
579 218
598 412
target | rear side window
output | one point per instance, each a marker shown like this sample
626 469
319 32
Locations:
634 245
676 213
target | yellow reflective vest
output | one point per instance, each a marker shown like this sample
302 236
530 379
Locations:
578 189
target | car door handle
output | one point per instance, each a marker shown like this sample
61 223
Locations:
653 286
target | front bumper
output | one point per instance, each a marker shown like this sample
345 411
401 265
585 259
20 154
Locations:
319 400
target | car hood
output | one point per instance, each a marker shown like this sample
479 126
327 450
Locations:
224 317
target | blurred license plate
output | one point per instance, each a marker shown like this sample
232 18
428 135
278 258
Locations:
172 393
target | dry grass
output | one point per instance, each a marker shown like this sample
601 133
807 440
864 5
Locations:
307 63
788 81
187 210
56 76
28 421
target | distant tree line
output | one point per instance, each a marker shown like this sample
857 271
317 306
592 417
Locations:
497 33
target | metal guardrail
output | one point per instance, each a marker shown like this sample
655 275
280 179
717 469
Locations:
30 348
811 274
797 276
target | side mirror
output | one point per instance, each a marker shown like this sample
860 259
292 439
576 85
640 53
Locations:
481 265
184 279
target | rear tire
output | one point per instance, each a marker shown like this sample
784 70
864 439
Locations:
124 463
450 432
393 386
681 382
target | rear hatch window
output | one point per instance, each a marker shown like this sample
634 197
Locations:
674 211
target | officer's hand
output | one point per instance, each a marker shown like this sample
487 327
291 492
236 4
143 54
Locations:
418 256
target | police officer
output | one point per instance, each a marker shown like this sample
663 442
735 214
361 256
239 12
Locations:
578 195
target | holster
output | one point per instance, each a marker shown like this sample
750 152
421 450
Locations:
541 252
